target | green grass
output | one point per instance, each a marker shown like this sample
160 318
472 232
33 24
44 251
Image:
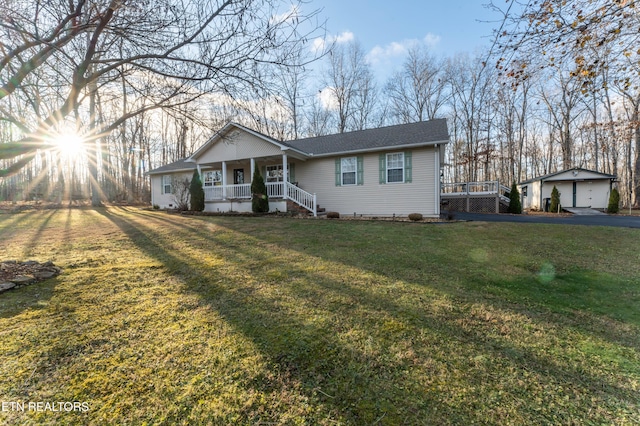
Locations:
163 319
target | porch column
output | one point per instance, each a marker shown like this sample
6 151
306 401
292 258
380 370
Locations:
224 179
285 176
253 168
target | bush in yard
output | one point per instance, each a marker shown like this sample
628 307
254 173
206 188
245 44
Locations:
333 215
196 192
555 200
515 206
614 201
259 197
415 217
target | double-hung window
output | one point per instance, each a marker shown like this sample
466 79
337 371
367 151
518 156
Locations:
349 170
166 184
395 167
274 173
212 178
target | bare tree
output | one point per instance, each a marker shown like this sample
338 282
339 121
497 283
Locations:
349 81
417 91
470 83
58 55
562 102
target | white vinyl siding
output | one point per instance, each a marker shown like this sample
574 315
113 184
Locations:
373 198
238 146
166 200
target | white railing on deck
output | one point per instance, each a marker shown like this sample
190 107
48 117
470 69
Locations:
476 188
302 198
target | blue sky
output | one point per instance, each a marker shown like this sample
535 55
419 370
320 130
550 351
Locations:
386 28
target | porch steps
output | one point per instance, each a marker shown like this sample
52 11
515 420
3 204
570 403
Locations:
298 209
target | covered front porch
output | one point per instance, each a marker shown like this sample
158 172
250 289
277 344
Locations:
227 184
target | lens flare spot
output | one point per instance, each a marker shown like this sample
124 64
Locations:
547 273
479 255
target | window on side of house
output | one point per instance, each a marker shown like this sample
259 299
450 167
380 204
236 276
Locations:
212 178
349 170
524 190
395 167
166 184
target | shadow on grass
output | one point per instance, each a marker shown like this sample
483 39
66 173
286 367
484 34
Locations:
586 294
315 327
35 297
14 223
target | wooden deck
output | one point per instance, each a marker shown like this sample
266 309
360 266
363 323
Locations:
475 197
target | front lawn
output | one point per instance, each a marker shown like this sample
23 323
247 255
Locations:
164 319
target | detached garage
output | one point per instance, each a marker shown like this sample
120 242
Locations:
578 188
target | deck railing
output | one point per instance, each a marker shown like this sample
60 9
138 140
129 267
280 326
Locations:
476 188
470 196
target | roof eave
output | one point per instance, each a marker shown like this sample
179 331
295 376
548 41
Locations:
164 172
382 148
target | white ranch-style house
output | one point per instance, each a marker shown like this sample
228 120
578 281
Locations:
387 171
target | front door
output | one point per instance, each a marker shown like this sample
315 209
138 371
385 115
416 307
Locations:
238 176
575 193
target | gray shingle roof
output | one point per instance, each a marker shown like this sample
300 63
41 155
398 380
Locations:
390 137
178 166
421 133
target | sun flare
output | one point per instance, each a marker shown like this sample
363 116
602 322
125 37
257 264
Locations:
69 145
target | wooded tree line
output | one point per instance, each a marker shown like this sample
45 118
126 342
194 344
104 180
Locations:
559 88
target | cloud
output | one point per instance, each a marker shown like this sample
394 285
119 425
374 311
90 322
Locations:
320 44
397 49
328 99
431 40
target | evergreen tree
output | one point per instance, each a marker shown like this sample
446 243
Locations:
515 206
555 200
614 201
196 192
259 197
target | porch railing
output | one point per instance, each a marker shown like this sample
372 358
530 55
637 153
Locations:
302 198
212 193
274 190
